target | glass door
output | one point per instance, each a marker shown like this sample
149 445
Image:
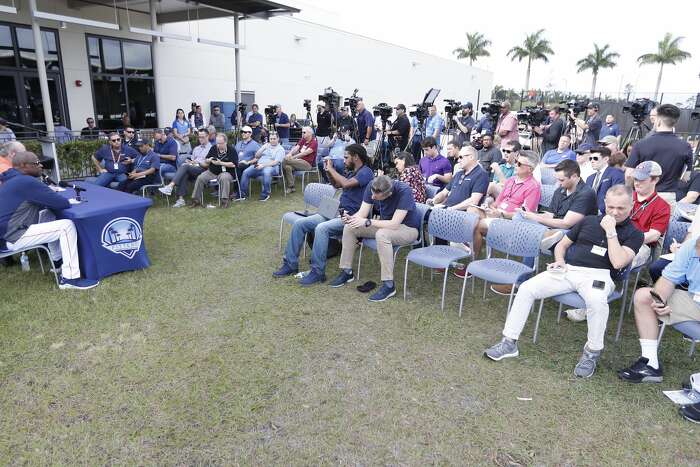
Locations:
10 107
34 107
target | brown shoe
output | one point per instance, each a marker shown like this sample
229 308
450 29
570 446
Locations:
502 289
194 203
225 203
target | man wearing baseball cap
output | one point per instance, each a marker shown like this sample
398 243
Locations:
591 126
398 134
582 153
609 142
324 121
465 122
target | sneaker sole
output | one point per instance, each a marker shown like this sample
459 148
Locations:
508 355
692 420
73 287
646 379
335 286
383 299
280 276
313 283
498 292
574 319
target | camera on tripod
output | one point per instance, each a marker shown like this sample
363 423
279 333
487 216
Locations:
492 109
352 102
331 98
307 105
695 115
577 106
242 108
452 107
383 111
270 114
533 116
639 109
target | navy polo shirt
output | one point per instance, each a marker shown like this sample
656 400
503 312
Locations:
588 233
150 160
255 117
669 151
365 120
351 199
282 132
400 198
105 154
246 151
462 185
169 148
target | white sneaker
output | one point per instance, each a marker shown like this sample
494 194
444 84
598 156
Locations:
166 190
179 203
548 242
576 314
211 206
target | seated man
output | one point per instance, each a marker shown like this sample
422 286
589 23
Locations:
563 151
491 152
144 169
671 305
603 176
109 161
190 169
357 177
220 163
166 148
246 148
689 192
467 187
398 224
301 157
337 152
504 170
520 190
436 169
452 149
267 163
7 153
603 246
609 142
23 197
582 153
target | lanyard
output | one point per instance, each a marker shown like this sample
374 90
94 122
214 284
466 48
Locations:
513 190
643 207
118 155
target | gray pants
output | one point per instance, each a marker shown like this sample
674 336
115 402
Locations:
186 173
224 178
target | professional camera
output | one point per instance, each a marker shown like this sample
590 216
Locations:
242 108
492 109
452 107
307 105
477 142
639 109
695 115
352 102
577 106
383 110
270 114
533 116
419 111
331 98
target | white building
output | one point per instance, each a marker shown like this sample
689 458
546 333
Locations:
120 65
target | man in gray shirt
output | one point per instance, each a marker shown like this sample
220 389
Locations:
217 119
489 153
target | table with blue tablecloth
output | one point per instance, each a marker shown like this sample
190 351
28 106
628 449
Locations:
110 230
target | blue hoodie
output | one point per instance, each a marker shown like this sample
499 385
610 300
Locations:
23 197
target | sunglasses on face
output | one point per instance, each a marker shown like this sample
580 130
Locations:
128 131
245 132
116 140
507 151
593 158
37 163
521 164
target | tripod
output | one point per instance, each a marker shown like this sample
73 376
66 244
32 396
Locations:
572 131
635 133
382 150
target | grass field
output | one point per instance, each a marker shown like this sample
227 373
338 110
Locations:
204 359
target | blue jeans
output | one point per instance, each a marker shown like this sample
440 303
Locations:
104 179
252 172
166 169
284 141
323 230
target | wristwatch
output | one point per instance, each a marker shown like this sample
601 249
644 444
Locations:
612 235
368 222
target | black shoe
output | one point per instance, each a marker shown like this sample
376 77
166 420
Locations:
690 412
641 372
285 270
342 279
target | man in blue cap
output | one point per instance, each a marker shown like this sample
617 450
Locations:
465 122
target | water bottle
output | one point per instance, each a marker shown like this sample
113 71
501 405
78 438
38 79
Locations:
24 261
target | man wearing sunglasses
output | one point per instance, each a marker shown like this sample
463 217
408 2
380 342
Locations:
111 161
129 137
301 157
246 148
23 197
603 176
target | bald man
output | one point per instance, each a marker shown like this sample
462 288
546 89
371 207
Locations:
7 153
24 197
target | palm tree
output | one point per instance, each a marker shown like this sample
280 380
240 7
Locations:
600 58
667 53
535 47
476 47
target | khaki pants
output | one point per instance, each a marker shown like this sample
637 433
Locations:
288 168
224 179
683 308
386 240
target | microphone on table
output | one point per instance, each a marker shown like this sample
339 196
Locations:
48 180
75 187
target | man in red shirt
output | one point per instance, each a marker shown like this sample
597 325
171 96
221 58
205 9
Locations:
300 157
507 126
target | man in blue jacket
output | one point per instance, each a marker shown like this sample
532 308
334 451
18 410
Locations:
23 197
603 176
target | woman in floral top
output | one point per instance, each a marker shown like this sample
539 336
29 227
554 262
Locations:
410 173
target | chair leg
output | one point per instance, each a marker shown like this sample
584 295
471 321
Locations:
623 306
661 334
279 245
692 348
405 279
41 263
537 323
359 261
444 287
461 298
485 283
510 299
631 302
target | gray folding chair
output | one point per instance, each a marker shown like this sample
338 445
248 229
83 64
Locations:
313 194
546 194
690 329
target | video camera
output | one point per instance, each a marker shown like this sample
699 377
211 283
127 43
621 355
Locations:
452 107
307 105
639 109
242 108
352 102
533 116
695 115
420 111
577 106
331 98
383 111
270 114
492 109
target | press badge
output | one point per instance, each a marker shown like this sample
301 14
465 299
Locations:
504 205
598 250
240 154
116 166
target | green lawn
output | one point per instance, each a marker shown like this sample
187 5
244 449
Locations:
205 359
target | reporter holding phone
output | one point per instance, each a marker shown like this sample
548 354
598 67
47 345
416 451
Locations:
603 246
664 302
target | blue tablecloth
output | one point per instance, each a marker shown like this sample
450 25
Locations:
110 230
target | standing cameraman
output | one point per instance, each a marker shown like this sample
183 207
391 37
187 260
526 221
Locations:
552 131
365 124
324 121
465 122
345 121
434 125
592 126
255 121
398 134
507 126
282 125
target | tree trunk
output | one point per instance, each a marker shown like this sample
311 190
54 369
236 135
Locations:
595 78
527 76
471 62
658 81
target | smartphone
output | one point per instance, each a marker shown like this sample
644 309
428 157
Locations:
600 285
657 298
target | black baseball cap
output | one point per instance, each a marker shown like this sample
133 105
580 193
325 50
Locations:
593 105
401 106
467 105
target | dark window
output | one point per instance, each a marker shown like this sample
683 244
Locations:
142 102
110 101
94 54
111 56
27 55
7 49
137 59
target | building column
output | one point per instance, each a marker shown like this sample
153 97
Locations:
237 60
161 102
41 69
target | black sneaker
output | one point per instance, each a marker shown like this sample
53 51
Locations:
690 412
342 279
641 372
285 270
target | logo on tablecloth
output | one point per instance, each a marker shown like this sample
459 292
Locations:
122 236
